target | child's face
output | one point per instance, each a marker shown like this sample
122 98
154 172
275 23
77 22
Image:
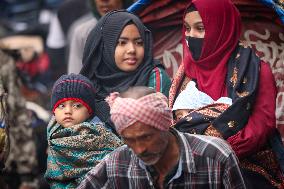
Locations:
70 113
129 51
179 114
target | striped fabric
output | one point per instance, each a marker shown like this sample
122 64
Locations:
205 162
160 81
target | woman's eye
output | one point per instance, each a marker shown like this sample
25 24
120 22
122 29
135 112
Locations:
139 42
200 28
187 28
121 42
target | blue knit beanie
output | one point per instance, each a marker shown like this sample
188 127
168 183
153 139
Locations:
73 87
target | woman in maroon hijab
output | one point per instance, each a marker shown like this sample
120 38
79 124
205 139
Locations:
223 66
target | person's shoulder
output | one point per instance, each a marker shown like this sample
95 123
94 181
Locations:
208 146
159 69
160 80
121 155
121 152
112 165
266 77
265 69
88 25
85 27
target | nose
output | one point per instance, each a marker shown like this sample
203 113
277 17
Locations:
68 110
131 48
139 148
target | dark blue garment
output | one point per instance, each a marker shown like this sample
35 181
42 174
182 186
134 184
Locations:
278 148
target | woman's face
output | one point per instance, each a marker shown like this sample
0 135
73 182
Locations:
193 25
129 51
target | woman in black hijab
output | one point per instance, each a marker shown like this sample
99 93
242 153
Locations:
119 54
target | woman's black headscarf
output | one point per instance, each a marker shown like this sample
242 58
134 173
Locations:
99 63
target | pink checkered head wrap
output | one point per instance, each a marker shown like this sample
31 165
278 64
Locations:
151 109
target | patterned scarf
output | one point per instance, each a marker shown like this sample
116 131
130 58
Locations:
151 109
198 121
74 151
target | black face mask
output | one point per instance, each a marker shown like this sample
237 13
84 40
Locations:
195 46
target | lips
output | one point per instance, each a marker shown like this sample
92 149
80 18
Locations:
147 156
67 119
130 61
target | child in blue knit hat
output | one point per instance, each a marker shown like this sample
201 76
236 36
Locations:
76 142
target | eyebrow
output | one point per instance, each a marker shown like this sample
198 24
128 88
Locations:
196 23
140 136
125 38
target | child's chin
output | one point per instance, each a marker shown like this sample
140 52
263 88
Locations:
68 125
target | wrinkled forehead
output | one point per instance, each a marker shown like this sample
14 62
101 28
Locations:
138 130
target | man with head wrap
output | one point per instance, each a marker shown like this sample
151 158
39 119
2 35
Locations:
158 156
